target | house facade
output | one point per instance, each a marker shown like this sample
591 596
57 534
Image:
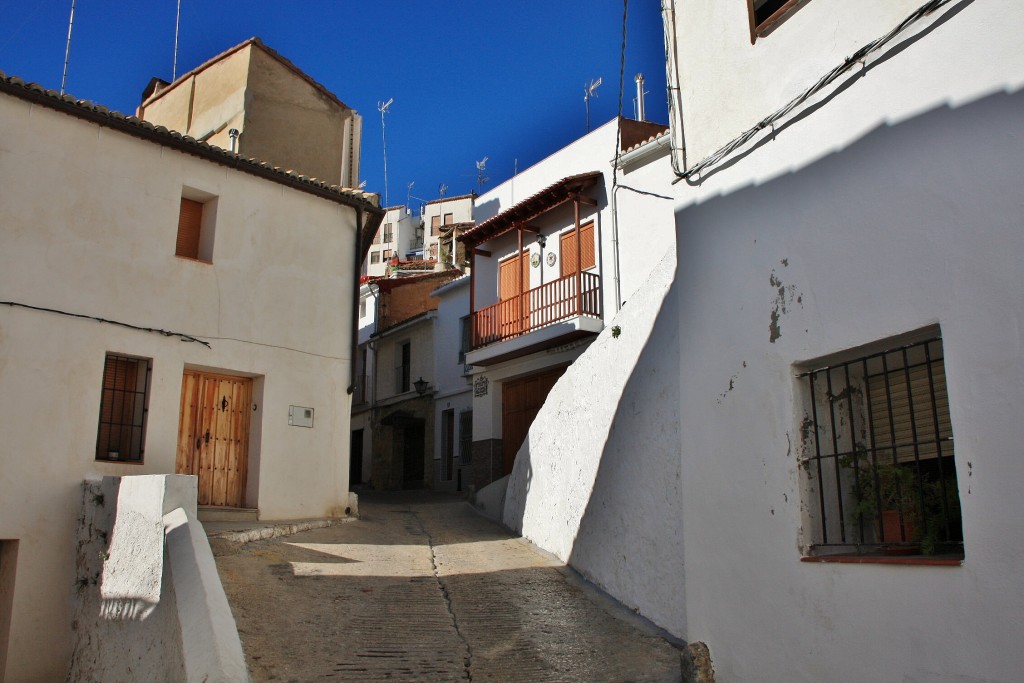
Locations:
393 424
253 101
811 432
400 236
168 308
452 387
552 256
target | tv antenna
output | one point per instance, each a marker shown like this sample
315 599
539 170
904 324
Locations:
177 24
481 166
67 50
441 189
383 108
590 91
408 192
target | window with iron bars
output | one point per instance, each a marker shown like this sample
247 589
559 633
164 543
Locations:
124 403
879 454
388 233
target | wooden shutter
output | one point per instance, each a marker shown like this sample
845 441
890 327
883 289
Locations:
568 249
190 222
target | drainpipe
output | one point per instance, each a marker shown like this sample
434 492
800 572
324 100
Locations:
579 257
233 134
615 247
355 302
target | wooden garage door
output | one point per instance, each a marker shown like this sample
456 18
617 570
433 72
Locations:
213 435
521 400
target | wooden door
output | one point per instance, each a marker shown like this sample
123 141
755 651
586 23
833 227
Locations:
521 400
513 278
213 435
413 467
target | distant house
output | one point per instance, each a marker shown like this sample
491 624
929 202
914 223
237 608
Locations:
251 100
392 413
168 306
553 253
423 237
802 448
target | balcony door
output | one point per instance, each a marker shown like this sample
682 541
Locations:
513 278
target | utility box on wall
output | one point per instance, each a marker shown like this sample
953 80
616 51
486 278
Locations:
299 416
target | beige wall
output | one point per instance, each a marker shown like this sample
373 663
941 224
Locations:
282 118
89 219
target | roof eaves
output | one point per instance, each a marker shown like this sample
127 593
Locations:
132 125
529 208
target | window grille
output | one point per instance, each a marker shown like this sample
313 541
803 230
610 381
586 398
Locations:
388 233
124 405
403 368
465 437
880 461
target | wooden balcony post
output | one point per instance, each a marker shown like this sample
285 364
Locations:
579 257
519 269
474 335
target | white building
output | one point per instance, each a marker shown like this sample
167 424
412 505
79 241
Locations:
534 311
843 305
400 236
169 308
452 387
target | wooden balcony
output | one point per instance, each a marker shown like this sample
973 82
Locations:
569 297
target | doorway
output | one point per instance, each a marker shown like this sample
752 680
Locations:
412 456
213 435
521 400
355 459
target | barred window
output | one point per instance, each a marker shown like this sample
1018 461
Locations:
124 404
880 457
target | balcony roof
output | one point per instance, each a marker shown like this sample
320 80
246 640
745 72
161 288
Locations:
528 209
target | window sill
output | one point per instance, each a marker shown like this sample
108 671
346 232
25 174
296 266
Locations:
193 260
775 20
919 560
111 461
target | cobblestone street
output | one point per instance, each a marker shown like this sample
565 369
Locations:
421 588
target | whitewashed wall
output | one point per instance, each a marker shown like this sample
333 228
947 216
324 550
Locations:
89 218
891 207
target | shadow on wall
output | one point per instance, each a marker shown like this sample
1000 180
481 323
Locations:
597 482
630 539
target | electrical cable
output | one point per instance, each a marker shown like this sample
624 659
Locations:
166 333
770 120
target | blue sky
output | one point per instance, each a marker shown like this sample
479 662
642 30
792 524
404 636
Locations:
469 79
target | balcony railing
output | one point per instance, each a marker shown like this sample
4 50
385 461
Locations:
568 297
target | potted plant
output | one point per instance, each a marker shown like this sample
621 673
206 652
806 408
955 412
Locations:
890 493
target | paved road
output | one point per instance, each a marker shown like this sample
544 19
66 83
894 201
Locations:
421 588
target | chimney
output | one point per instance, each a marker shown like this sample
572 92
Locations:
640 97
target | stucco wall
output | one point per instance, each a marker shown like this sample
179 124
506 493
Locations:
597 481
89 219
913 225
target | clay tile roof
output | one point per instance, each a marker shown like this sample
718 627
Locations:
529 208
131 125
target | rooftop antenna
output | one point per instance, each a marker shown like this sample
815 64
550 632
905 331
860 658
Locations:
481 166
408 192
177 23
383 108
67 50
590 91
441 189
639 101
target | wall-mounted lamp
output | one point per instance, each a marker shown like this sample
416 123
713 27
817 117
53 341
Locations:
542 241
421 386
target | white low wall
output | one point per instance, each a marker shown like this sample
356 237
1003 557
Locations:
597 481
150 605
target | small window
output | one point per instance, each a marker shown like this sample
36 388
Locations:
465 437
388 233
374 257
403 367
766 15
464 338
196 220
124 404
435 225
880 457
449 218
376 236
388 253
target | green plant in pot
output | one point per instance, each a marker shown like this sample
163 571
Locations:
890 493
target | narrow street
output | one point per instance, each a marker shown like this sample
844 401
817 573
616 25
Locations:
421 588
